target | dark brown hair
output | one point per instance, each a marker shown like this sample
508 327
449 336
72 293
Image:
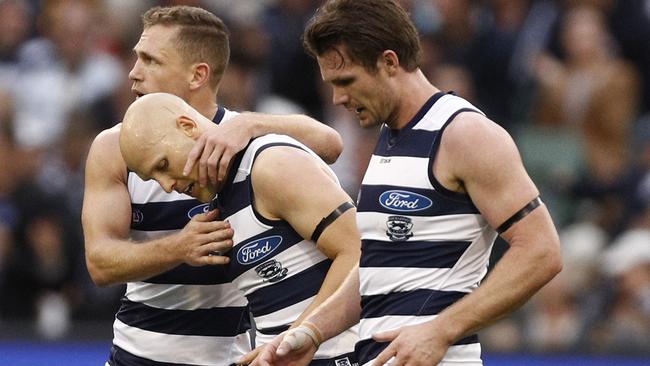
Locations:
202 36
366 28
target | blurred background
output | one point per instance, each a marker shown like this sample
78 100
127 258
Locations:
568 79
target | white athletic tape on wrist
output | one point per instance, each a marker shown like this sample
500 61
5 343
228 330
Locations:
310 330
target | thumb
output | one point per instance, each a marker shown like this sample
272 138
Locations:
386 336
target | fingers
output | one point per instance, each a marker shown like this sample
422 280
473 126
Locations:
386 355
194 155
208 217
265 357
386 336
214 163
223 165
250 356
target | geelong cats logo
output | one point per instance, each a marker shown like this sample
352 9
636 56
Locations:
271 271
399 228
404 201
257 250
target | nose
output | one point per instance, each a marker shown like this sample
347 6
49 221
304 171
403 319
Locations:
135 73
339 97
167 184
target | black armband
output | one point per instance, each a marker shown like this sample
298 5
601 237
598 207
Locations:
327 221
530 206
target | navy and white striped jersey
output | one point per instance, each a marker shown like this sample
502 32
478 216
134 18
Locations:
423 247
187 315
279 272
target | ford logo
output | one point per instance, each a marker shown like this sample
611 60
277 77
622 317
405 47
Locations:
202 208
257 250
404 201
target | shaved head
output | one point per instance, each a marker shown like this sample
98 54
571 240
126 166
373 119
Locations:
156 136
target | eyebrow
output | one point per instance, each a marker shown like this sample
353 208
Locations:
146 54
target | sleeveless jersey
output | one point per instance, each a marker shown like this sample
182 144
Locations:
423 247
279 272
187 315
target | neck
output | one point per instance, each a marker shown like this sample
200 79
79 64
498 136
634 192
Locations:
415 90
205 102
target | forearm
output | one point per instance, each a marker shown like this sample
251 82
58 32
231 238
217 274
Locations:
341 310
339 270
519 274
115 261
324 140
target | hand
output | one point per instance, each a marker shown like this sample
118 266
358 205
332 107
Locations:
201 238
215 148
250 356
287 349
416 345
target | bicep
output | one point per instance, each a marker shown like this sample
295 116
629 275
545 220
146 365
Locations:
486 160
106 211
292 185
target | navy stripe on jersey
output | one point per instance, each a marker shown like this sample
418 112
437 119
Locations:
419 145
221 111
289 239
417 302
120 357
292 290
413 254
154 216
215 322
185 274
369 349
370 199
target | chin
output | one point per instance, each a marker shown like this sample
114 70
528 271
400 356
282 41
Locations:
205 195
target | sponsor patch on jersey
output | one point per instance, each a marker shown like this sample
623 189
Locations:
271 271
202 208
404 201
342 362
399 228
257 250
136 217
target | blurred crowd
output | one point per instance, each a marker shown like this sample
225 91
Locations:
568 79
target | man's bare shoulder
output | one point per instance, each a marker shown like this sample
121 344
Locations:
105 153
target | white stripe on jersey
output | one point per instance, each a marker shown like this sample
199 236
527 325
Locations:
441 110
172 348
372 226
284 316
405 171
381 280
299 257
184 297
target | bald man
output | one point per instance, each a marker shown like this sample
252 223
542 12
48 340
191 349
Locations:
295 235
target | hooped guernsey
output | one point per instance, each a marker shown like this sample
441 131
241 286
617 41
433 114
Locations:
279 272
424 247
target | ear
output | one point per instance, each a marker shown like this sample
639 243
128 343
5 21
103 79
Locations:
389 62
188 126
200 76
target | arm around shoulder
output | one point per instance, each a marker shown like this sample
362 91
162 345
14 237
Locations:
111 257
